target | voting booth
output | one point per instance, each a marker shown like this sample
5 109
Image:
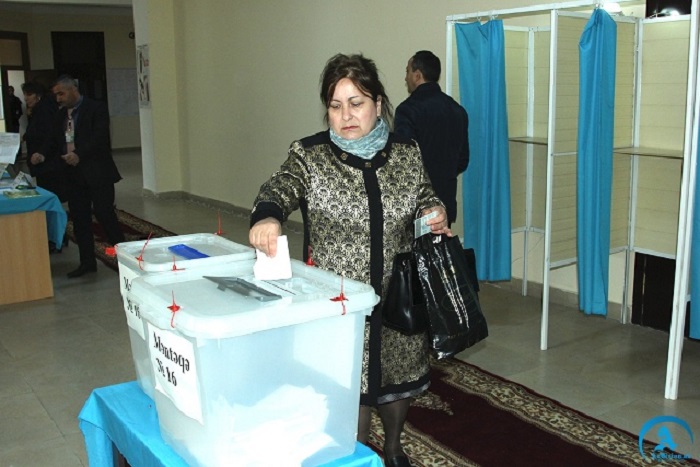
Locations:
244 368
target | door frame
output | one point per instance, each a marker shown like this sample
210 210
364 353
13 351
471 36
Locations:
4 76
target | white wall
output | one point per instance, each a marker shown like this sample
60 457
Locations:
249 74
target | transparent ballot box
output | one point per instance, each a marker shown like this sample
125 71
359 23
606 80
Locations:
248 370
158 255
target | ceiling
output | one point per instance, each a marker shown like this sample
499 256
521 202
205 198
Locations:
67 7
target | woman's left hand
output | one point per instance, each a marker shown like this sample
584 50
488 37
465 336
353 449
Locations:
438 224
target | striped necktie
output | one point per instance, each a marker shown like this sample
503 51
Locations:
70 133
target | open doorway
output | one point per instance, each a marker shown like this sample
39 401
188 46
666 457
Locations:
82 55
14 56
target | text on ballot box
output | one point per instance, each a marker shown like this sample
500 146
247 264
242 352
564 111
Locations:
159 255
175 370
277 362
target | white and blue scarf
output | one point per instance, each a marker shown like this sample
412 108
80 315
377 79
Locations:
367 146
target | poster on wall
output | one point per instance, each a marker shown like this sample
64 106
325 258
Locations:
142 75
122 92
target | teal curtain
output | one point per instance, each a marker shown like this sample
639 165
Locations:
594 159
486 183
694 330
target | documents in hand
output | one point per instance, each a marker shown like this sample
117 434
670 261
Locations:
279 267
421 228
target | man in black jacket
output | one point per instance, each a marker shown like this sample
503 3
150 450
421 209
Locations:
41 110
12 123
80 137
439 125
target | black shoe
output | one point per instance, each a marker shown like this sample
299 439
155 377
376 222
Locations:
398 461
82 270
53 249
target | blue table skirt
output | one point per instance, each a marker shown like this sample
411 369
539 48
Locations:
56 217
126 417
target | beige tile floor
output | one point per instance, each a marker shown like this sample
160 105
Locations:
54 352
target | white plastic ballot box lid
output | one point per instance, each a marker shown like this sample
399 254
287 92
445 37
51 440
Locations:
185 251
227 301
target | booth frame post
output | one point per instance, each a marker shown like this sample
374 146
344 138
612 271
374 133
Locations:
634 173
688 184
529 173
449 50
551 127
685 216
528 228
543 8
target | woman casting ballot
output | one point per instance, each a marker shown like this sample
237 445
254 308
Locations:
361 188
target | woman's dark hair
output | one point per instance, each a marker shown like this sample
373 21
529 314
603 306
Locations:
363 73
33 87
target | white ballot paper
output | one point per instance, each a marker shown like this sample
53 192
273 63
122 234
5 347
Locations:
279 267
9 145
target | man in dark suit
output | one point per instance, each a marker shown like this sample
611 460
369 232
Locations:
80 137
439 125
41 110
12 123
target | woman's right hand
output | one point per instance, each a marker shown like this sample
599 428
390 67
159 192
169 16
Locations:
263 235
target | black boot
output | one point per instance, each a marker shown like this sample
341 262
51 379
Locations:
398 461
82 270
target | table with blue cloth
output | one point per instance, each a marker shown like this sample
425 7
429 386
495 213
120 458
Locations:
56 217
123 417
27 224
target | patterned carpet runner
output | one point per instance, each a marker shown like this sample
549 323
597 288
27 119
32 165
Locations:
134 228
470 417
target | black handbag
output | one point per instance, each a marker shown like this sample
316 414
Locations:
404 308
455 319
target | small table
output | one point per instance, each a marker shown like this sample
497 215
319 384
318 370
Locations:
56 217
26 226
123 417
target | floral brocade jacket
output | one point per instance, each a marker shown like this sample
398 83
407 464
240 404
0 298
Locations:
359 213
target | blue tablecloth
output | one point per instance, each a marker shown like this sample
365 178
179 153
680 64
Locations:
56 217
122 414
